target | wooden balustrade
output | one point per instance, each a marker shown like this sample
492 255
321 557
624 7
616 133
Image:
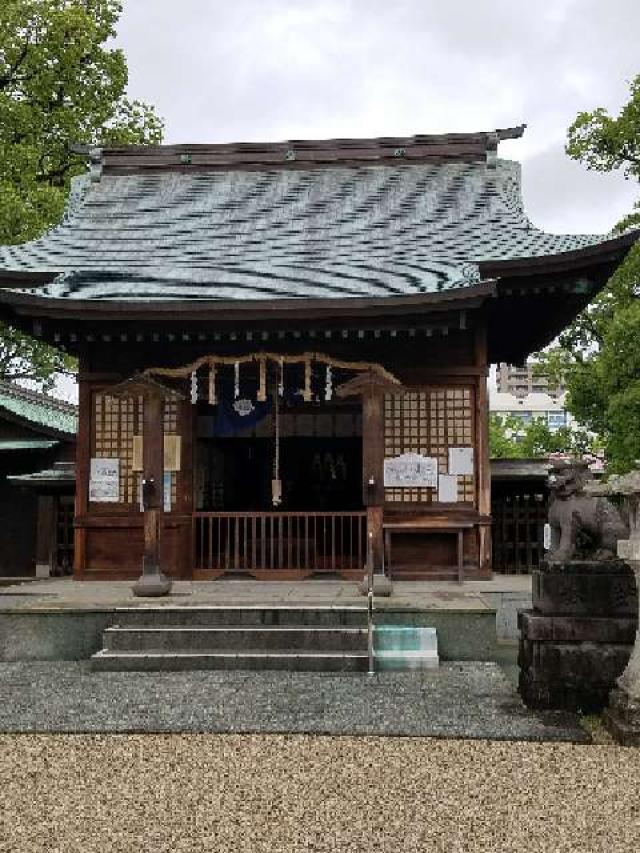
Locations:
291 542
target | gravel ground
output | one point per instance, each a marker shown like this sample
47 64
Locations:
175 793
471 700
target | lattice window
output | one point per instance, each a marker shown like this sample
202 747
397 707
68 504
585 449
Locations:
171 428
117 420
429 422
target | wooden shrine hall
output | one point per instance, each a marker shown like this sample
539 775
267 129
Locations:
283 349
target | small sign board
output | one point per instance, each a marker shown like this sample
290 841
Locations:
448 488
411 470
461 461
104 480
172 448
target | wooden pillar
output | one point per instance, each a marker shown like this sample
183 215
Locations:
483 473
373 470
371 387
46 537
373 449
153 477
152 581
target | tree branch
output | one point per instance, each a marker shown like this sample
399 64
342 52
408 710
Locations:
9 76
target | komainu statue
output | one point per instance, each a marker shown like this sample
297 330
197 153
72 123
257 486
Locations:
583 526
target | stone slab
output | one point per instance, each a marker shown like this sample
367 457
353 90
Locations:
567 629
585 589
574 663
405 647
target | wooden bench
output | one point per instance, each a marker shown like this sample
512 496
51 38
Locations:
428 525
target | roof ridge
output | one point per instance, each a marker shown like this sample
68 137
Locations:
488 137
295 153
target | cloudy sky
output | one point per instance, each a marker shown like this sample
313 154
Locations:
293 69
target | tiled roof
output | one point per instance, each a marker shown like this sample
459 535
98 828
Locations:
10 444
272 232
62 474
38 409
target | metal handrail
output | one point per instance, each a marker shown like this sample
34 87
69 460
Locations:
371 670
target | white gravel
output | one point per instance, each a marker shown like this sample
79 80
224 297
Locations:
294 793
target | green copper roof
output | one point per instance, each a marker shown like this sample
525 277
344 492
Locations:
38 409
394 227
25 444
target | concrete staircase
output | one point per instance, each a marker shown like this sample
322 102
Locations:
253 638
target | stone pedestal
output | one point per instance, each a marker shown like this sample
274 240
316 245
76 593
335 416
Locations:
577 639
622 717
382 586
152 585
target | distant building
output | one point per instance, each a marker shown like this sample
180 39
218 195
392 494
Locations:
526 408
521 381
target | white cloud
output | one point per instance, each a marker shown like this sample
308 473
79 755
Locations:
277 69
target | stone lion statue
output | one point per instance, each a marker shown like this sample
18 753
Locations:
583 526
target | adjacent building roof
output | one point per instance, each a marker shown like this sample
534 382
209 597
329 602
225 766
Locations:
11 444
520 469
38 410
61 475
536 402
331 219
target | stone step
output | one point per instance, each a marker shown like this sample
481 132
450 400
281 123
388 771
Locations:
240 616
405 647
235 639
116 661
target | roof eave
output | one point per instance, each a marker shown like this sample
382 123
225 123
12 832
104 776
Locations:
34 305
598 253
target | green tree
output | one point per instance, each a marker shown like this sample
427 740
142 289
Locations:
61 83
602 380
511 438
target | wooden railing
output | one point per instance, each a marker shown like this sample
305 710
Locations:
308 542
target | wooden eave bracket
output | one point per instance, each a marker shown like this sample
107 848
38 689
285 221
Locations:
141 385
370 383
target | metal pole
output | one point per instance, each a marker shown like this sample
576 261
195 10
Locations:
371 670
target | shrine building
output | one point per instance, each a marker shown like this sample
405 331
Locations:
318 318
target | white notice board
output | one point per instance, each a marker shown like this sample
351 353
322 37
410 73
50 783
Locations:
461 461
448 488
411 470
104 480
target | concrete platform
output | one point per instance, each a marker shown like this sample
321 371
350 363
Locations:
62 593
63 619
